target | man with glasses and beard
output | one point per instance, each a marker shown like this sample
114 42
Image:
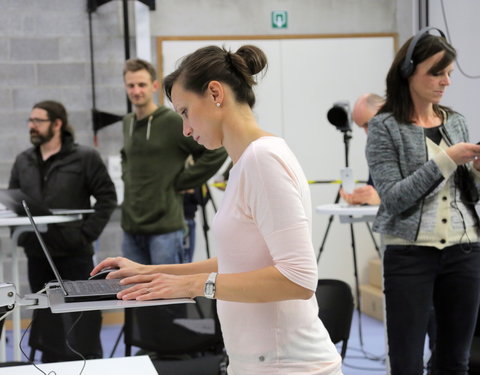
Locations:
60 173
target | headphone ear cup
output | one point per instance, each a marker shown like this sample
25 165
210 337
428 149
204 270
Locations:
406 69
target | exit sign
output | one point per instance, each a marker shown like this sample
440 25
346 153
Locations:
279 19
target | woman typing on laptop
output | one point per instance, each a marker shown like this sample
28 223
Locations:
265 274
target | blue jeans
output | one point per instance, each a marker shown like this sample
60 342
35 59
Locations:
154 248
417 278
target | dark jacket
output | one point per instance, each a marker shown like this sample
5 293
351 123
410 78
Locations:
75 175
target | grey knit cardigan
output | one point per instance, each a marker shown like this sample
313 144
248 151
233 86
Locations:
397 159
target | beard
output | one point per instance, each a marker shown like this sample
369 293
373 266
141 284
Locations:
38 139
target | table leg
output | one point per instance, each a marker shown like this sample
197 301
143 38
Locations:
16 317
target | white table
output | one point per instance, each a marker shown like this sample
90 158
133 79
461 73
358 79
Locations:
118 366
21 225
347 213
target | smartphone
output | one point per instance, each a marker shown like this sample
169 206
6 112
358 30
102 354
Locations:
348 183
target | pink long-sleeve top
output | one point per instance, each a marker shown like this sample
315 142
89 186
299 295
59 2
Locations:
265 220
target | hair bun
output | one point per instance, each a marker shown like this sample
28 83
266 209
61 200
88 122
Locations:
254 58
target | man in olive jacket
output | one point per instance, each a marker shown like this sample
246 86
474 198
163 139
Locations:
62 174
153 171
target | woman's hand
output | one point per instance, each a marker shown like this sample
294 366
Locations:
361 195
347 197
462 153
125 267
161 285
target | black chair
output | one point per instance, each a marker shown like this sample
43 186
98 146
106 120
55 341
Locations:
180 338
335 303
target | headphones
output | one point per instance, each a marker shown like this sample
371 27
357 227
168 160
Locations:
407 67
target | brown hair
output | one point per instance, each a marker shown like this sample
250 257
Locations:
398 100
134 65
56 110
214 63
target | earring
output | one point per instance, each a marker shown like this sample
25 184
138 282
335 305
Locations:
218 105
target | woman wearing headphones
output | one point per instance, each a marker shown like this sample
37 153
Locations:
425 171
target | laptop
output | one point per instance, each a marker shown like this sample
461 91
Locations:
12 199
78 290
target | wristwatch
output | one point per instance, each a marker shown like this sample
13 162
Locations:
210 288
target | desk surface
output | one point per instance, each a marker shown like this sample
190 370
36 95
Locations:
346 210
118 366
58 304
50 219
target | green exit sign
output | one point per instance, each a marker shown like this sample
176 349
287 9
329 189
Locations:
279 19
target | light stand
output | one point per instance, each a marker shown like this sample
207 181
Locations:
339 116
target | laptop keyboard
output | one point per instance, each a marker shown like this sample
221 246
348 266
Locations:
104 286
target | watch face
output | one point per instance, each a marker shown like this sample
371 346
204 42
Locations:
209 289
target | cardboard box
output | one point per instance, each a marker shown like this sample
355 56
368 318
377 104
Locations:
371 301
375 273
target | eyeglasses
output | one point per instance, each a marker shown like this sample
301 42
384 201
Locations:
37 121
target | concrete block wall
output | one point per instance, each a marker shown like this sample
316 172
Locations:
45 54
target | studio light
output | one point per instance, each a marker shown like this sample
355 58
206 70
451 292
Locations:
339 116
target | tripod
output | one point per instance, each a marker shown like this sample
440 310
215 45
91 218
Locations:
206 196
346 139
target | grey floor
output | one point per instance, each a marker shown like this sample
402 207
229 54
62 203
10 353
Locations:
366 355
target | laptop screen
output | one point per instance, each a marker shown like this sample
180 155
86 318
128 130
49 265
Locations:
44 248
